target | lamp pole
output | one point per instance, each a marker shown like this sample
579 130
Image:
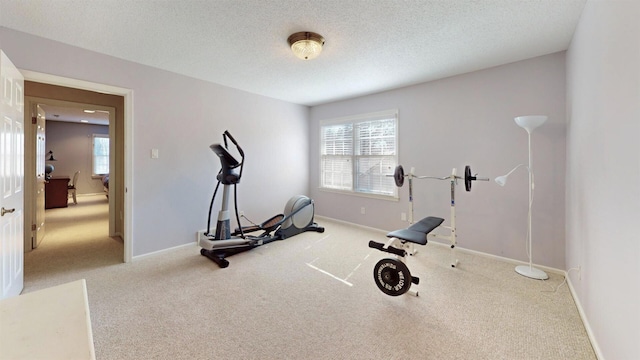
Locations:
530 204
530 271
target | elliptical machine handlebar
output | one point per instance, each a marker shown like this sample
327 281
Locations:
228 134
228 161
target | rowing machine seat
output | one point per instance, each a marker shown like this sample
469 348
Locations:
417 233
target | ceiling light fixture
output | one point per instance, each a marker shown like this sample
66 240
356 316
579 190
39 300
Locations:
306 45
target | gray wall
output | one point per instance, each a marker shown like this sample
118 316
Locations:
468 120
603 174
71 144
181 117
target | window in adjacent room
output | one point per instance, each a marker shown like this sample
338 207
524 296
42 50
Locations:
358 153
100 154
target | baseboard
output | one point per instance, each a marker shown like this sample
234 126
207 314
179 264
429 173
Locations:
352 224
585 322
90 194
138 257
505 259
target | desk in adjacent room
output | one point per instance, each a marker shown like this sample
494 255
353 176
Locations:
56 192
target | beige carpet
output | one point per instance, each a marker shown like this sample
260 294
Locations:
308 297
76 242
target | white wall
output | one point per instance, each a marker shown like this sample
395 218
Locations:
603 174
72 145
181 117
468 120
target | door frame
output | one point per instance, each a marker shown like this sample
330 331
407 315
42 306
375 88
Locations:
30 104
128 140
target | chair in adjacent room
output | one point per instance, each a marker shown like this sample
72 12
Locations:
72 186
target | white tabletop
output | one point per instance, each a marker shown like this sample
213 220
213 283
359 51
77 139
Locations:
52 323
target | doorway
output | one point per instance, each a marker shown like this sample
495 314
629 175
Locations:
47 93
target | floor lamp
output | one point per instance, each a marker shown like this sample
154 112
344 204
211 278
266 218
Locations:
528 123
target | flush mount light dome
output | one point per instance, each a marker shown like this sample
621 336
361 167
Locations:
306 45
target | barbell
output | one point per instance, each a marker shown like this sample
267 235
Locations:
399 175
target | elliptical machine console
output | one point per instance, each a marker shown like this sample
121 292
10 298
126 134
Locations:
297 217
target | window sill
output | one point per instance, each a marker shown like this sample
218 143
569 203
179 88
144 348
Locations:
359 194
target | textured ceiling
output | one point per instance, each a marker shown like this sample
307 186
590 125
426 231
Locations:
371 45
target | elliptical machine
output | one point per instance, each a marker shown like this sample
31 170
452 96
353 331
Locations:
297 217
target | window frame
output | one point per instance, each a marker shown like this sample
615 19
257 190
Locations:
354 120
93 154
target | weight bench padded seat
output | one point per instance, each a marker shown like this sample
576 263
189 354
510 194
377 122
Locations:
417 233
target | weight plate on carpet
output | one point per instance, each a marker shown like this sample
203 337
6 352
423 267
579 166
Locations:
392 277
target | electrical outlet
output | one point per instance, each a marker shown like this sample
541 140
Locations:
403 216
362 211
579 272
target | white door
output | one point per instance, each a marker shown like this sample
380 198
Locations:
40 177
11 178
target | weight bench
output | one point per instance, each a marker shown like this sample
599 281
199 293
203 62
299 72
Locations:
392 275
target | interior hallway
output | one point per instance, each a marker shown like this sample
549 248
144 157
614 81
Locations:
76 242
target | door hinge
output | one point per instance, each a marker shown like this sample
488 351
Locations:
34 120
33 227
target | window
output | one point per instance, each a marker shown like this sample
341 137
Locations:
358 153
100 155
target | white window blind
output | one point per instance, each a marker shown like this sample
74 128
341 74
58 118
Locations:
336 162
100 155
358 153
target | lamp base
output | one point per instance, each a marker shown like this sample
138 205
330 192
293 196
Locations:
531 272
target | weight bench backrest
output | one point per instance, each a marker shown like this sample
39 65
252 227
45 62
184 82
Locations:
417 233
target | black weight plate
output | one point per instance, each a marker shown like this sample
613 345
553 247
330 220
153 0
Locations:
392 277
398 176
467 178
